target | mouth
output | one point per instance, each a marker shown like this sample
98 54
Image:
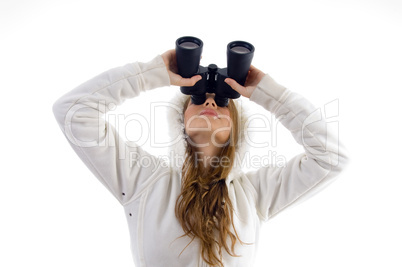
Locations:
209 112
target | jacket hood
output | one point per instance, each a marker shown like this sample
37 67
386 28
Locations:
175 118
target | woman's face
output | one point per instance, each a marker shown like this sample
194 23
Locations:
208 122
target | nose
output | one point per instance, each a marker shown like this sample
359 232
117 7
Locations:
210 102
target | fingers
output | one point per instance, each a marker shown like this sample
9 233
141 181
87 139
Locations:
237 87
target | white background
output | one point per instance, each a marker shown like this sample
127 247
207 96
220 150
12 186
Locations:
55 213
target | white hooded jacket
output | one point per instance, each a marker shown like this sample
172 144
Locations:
148 194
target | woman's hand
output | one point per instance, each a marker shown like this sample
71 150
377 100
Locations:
169 57
253 79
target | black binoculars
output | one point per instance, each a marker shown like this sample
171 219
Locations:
188 56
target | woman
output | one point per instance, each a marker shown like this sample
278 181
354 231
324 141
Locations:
205 211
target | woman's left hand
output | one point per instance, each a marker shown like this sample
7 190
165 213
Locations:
253 79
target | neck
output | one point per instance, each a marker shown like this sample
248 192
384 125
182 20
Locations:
208 156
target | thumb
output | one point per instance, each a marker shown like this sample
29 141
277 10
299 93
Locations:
190 81
180 81
237 87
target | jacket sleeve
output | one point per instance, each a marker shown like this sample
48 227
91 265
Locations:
307 173
80 115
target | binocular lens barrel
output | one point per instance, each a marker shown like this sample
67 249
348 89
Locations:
188 55
239 57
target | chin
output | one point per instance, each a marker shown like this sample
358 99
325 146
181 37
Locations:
220 138
215 137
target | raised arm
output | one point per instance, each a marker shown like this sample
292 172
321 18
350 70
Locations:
80 112
323 158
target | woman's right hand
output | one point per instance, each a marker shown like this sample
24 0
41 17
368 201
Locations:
169 57
254 77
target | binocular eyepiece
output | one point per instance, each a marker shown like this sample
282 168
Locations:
188 56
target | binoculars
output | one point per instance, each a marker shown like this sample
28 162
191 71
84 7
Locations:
188 56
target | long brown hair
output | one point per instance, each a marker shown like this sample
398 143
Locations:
203 208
